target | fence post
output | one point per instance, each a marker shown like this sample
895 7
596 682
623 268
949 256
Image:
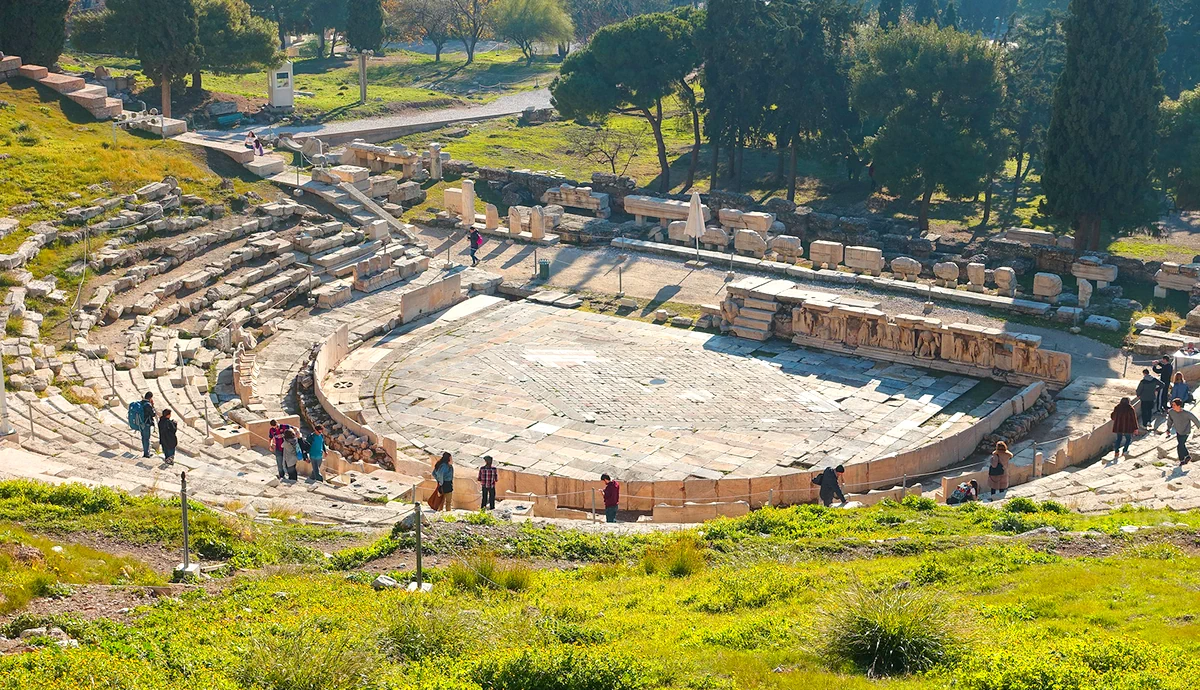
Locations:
770 497
184 503
593 504
420 572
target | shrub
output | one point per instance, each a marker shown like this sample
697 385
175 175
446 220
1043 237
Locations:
1015 523
889 632
479 570
1049 506
418 632
744 635
915 502
747 588
679 557
308 658
570 626
930 572
563 668
481 518
1020 504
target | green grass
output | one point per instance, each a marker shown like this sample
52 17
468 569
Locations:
1148 249
35 566
76 151
400 80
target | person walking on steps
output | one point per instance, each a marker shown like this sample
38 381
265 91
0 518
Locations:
1125 424
275 438
1147 394
316 452
142 418
830 483
1181 421
167 436
443 474
998 468
1179 388
475 240
612 497
487 484
1164 368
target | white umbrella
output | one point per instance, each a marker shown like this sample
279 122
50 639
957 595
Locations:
695 221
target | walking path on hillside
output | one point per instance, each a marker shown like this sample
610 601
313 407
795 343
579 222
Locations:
508 104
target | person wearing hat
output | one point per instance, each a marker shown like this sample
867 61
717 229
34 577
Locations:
487 484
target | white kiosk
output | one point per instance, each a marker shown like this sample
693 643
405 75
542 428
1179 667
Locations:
281 84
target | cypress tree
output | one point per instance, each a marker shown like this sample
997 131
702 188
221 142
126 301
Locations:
34 29
949 16
1103 127
925 11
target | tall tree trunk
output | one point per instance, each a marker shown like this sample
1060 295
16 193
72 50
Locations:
166 95
283 36
923 216
437 51
1088 232
741 162
781 155
321 44
362 78
655 120
791 183
1016 191
732 162
469 44
333 43
987 202
197 81
716 163
695 162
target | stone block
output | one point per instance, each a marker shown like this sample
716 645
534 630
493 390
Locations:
1006 281
825 254
1103 322
906 268
947 272
864 259
749 242
976 274
1047 287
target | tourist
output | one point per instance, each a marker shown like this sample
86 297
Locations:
251 140
316 452
964 493
443 474
258 148
290 459
998 468
275 437
612 497
1164 369
1181 421
829 481
475 240
1125 424
487 484
1179 388
167 436
145 409
1148 393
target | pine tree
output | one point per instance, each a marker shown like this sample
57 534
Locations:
34 29
1100 146
949 16
166 39
925 11
364 24
889 13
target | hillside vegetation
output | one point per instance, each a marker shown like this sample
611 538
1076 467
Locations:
896 596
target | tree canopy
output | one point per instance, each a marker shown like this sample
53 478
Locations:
1179 153
166 40
428 20
936 93
364 24
34 29
529 22
1103 128
629 67
233 39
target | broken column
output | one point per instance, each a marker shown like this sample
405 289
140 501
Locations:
976 276
1006 281
946 274
468 203
537 223
1085 293
435 161
491 217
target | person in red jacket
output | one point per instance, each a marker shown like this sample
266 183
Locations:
612 497
1125 425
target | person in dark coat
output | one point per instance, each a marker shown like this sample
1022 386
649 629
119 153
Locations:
828 481
612 497
167 436
1148 391
1125 424
1164 368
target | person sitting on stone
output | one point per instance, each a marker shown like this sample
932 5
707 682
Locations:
251 140
964 493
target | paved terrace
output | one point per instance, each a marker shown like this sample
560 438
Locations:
573 393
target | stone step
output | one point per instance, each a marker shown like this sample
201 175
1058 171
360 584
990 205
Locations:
265 166
750 333
111 108
34 72
761 305
234 149
62 83
90 96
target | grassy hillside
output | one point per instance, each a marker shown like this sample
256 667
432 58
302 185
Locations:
782 598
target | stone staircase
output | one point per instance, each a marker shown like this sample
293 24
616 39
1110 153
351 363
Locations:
92 97
753 321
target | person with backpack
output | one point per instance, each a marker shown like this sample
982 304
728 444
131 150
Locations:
141 418
316 452
475 240
167 436
487 478
443 474
830 483
964 493
612 497
292 454
275 438
1125 424
998 468
1147 394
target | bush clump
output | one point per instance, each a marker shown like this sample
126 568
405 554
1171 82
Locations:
563 668
889 632
679 557
479 570
1020 504
417 632
309 657
920 503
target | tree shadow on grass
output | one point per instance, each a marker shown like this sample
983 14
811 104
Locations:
75 113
